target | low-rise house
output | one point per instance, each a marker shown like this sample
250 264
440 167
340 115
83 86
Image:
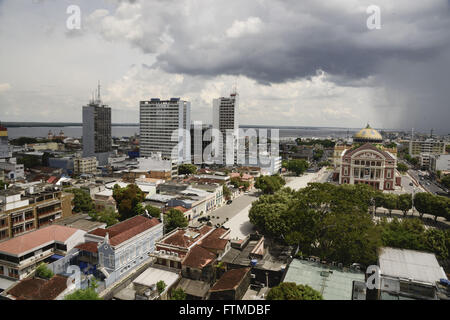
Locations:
268 266
409 274
119 249
232 285
21 255
39 289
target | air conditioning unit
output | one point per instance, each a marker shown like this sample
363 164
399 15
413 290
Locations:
253 276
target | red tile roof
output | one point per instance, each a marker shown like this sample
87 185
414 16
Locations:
52 179
230 280
27 242
89 246
127 229
198 257
180 239
214 240
38 289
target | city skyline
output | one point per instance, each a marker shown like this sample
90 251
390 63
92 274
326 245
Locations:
314 64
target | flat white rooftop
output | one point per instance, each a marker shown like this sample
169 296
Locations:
152 275
410 264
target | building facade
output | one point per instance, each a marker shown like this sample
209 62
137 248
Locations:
22 211
20 256
4 146
86 165
369 165
225 119
428 146
164 128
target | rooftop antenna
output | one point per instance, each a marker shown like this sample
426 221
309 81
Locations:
431 136
235 87
98 92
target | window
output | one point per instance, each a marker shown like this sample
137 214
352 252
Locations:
1 269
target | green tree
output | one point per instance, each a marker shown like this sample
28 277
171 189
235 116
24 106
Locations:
405 203
45 157
108 216
318 154
82 201
178 294
297 166
3 184
325 220
187 168
390 202
402 167
378 198
161 286
22 141
226 192
404 234
29 161
439 207
43 271
269 184
292 291
423 202
89 293
153 211
445 180
128 201
175 219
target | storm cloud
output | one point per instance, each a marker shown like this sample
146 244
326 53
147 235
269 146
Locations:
317 61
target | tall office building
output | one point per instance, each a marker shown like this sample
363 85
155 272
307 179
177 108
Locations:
164 128
97 130
225 118
4 147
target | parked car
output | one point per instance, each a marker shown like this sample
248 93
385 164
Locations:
203 219
229 201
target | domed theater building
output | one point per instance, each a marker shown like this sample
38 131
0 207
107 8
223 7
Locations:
368 161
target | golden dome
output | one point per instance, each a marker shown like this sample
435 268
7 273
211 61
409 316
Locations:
368 135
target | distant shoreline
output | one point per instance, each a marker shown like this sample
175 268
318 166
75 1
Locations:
78 124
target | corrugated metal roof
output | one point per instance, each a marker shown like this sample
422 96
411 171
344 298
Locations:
410 264
337 285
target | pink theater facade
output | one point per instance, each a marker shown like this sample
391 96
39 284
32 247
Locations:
369 165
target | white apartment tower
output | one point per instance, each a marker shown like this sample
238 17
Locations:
97 130
165 128
225 118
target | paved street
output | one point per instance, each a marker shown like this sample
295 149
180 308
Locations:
427 184
238 206
237 211
297 183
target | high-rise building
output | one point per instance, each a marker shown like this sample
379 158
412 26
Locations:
164 128
225 118
97 130
4 147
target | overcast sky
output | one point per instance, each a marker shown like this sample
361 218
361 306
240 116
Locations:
295 62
